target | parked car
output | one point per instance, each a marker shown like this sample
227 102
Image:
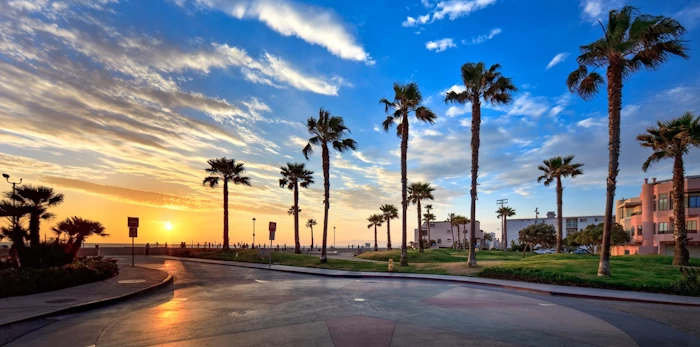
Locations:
579 251
545 251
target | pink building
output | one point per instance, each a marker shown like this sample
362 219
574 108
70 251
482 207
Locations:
649 218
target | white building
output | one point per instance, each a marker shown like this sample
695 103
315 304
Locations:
442 234
570 224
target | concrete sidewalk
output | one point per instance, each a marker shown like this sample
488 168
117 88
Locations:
130 282
592 293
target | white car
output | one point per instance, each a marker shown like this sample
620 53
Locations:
544 251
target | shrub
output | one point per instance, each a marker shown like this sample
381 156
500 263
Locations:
45 255
33 280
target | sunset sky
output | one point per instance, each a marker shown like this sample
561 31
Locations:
119 104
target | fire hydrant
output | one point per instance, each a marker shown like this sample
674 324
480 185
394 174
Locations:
391 265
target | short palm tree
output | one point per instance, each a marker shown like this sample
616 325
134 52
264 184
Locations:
671 140
427 209
310 224
375 221
295 175
504 212
38 200
631 41
226 171
429 218
553 170
327 131
389 212
77 230
458 221
490 86
450 218
418 192
407 100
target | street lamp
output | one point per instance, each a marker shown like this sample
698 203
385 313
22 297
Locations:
14 202
253 232
333 237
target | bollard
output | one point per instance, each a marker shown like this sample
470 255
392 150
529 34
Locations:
391 265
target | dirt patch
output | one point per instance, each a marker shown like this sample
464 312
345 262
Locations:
459 268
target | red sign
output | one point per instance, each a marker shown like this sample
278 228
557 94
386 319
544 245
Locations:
133 232
133 222
273 227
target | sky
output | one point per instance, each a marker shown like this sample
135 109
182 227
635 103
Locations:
119 104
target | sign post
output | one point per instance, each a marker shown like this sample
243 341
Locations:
133 224
273 229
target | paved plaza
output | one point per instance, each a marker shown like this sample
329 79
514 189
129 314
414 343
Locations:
214 305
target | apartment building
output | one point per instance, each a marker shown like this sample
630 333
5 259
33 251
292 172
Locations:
571 224
649 218
443 234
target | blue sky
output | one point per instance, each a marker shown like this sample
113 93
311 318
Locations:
120 103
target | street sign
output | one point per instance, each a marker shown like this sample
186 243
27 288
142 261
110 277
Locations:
273 229
133 232
133 222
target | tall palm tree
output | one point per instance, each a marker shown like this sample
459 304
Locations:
295 175
631 41
375 221
490 86
553 170
225 170
389 212
407 100
38 200
78 229
504 212
450 218
327 130
418 192
429 218
672 139
428 208
310 224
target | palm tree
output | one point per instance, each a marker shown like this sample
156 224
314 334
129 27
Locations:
375 221
554 169
417 192
295 175
310 224
672 139
428 218
428 208
505 212
450 218
225 170
327 130
78 229
292 210
390 212
490 86
407 99
631 41
487 237
458 221
37 199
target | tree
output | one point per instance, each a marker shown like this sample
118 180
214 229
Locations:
417 192
631 41
428 208
554 169
458 221
592 236
295 175
375 221
225 170
37 200
450 218
428 218
407 100
490 86
673 139
310 224
504 212
390 212
77 230
542 234
327 130
487 237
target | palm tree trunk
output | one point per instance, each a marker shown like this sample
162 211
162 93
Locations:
430 244
420 232
505 233
452 229
476 124
376 248
459 239
404 187
312 237
560 192
388 233
614 75
297 246
225 246
680 251
34 229
326 201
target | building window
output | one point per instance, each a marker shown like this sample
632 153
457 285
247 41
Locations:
663 202
639 230
654 204
571 223
439 241
663 227
694 201
584 219
631 232
692 226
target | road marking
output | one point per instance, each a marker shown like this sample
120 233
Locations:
131 281
261 281
358 299
547 304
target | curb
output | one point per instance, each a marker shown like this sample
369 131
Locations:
94 304
464 280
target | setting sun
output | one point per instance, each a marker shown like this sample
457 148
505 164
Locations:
168 226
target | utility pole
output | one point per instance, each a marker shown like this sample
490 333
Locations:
537 214
501 202
253 232
15 219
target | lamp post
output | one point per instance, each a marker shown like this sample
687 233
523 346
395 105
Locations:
14 202
253 232
333 237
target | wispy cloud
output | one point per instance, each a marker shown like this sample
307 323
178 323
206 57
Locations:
482 38
594 10
559 58
451 9
440 45
689 16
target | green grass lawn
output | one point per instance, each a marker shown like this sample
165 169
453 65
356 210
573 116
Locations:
442 255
